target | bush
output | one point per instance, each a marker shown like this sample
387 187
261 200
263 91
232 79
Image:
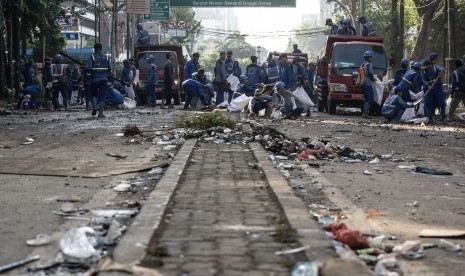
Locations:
205 121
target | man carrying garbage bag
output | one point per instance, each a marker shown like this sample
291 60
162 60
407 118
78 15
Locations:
394 107
287 102
194 91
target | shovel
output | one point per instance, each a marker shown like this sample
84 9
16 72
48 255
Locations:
427 92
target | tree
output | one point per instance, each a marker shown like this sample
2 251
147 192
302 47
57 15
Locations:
426 10
192 26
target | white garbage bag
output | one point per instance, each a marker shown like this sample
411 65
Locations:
408 115
239 103
131 94
378 89
74 97
129 103
234 82
303 97
275 115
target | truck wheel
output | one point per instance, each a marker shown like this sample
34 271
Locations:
332 107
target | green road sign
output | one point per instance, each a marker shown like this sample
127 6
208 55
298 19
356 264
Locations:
159 10
233 3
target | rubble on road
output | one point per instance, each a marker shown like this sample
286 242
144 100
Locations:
131 130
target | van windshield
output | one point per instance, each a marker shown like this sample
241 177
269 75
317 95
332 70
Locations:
160 59
349 57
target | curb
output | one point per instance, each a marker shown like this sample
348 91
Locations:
309 234
132 247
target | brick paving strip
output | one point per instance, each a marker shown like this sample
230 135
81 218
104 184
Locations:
223 219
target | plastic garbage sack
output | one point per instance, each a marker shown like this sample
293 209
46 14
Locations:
131 95
275 115
449 246
431 171
380 270
60 99
40 239
239 103
349 237
223 104
308 155
233 81
129 103
303 97
79 242
408 115
74 97
378 89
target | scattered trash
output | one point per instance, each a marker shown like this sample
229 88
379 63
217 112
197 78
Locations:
308 155
107 266
441 233
449 246
350 161
39 240
79 242
431 171
68 208
114 232
380 270
428 245
13 265
326 220
351 238
227 130
123 187
131 130
154 171
119 134
292 251
115 213
386 156
407 167
413 204
409 250
367 172
375 161
169 148
29 141
305 269
118 156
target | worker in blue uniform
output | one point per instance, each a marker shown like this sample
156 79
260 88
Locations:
401 72
192 66
100 68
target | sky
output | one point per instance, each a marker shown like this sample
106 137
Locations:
269 20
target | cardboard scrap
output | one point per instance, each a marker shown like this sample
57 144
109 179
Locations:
441 233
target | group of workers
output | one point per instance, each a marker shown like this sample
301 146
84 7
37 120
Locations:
346 27
425 77
285 72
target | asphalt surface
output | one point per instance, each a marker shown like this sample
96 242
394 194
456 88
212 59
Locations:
28 201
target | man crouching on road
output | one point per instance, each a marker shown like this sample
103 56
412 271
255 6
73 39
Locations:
287 103
261 100
394 106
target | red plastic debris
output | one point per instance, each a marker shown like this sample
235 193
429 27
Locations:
303 156
352 238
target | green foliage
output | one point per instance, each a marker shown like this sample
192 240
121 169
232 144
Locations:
192 29
311 40
205 121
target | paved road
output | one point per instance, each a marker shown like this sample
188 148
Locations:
223 221
379 202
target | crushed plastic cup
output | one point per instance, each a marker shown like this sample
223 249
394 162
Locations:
123 187
449 246
154 171
39 240
380 270
79 242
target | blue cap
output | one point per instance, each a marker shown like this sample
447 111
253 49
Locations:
417 65
433 56
296 59
404 61
139 26
272 63
58 57
279 85
368 54
151 58
125 61
346 22
362 19
243 77
229 52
